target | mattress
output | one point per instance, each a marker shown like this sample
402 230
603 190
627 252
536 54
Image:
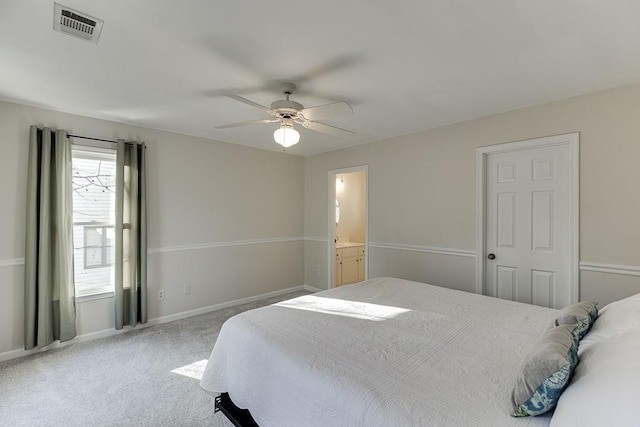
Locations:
385 352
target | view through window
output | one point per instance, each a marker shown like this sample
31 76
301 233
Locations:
93 219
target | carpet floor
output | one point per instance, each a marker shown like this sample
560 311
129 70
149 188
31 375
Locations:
145 377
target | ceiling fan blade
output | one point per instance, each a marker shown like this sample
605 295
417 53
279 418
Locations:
250 122
334 64
335 110
329 130
248 102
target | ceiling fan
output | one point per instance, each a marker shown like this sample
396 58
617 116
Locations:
288 112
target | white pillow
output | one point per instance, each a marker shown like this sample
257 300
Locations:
613 319
604 388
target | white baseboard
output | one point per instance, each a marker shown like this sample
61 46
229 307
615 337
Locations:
14 354
312 289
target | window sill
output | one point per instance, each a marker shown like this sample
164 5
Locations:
94 296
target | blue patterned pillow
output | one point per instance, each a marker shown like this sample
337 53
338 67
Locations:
546 371
583 314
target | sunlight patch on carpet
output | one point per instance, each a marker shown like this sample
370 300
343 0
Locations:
194 370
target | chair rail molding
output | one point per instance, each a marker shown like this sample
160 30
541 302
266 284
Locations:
425 249
223 244
315 239
11 262
625 270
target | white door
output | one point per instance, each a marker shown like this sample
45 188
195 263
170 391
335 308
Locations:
529 247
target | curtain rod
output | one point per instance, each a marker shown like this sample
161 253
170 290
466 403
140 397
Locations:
99 139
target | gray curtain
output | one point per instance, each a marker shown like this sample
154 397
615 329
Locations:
49 290
131 235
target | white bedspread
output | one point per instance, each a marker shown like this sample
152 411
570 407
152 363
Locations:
385 352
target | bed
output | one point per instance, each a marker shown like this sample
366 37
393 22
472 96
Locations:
385 352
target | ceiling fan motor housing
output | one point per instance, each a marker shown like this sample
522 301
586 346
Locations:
286 106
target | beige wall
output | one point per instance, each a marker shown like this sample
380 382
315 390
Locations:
352 200
422 194
225 219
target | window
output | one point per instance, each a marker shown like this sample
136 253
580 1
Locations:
98 245
93 219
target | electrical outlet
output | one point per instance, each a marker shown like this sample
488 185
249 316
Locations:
317 272
161 294
187 290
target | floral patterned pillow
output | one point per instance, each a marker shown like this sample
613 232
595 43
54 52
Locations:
546 371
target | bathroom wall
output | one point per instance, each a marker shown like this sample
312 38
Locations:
352 200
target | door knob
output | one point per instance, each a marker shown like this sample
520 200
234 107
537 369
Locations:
491 256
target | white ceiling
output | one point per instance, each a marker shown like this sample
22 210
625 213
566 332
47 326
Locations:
404 66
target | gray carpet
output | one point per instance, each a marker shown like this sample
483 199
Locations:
121 380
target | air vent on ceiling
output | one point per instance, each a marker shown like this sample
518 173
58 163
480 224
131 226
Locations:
78 24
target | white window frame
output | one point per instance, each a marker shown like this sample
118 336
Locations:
104 262
96 151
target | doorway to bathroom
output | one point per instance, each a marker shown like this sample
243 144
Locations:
348 226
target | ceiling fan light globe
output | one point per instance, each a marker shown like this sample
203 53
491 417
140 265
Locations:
286 136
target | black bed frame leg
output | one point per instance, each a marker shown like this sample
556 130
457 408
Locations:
239 417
